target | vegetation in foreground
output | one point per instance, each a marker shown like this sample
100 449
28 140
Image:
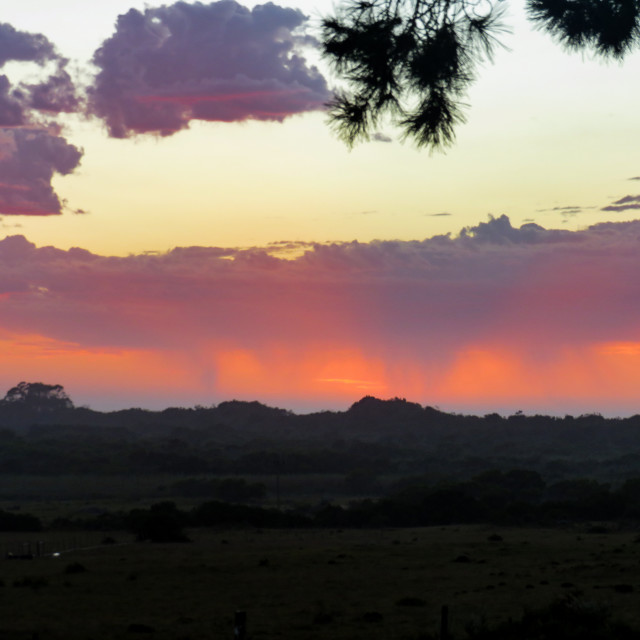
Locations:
516 498
340 584
308 523
42 433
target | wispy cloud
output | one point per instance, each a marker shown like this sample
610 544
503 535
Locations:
627 203
566 211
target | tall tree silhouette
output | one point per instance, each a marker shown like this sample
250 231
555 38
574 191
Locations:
414 60
38 396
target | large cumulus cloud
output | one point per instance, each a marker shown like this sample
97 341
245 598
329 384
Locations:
168 65
32 147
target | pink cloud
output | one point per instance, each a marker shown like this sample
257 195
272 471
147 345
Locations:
32 148
11 110
56 94
161 69
23 46
20 105
168 65
13 187
33 157
495 313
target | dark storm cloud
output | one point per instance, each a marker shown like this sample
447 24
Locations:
168 65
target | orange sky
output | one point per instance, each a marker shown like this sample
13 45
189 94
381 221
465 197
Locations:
497 318
597 378
178 224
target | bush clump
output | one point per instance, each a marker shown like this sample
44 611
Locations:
568 618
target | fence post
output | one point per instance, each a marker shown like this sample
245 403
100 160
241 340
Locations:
240 625
444 622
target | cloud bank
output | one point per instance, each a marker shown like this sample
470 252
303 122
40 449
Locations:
166 66
496 315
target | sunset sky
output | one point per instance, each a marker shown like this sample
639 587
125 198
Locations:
179 225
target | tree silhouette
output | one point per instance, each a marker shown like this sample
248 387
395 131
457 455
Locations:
163 522
413 60
38 396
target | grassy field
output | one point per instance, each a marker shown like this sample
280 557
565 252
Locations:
309 585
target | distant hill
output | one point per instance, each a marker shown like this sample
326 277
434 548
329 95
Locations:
41 429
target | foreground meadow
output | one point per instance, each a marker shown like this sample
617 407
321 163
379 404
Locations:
309 584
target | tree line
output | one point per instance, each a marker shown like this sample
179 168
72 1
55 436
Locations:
518 497
42 432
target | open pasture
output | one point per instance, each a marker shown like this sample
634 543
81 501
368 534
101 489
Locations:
312 585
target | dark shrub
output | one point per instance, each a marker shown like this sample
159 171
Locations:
75 567
566 619
19 522
163 522
411 602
